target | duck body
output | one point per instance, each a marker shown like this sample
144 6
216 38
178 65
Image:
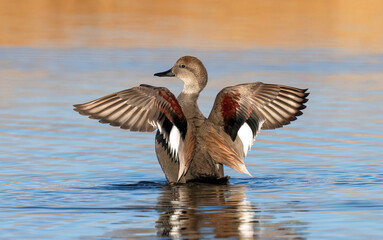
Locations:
189 146
202 166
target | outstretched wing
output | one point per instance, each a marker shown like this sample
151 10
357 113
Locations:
244 109
143 109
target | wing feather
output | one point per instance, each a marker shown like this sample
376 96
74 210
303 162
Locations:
260 105
143 109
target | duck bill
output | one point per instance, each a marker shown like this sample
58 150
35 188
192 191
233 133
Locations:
167 73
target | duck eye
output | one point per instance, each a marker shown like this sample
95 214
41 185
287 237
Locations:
182 66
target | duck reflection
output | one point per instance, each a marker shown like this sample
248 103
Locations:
196 211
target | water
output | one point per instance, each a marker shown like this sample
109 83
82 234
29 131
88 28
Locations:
63 176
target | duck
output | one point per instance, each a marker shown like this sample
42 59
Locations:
189 146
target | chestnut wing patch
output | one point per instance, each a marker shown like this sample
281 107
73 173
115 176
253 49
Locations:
235 114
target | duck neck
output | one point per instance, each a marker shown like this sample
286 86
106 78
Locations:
189 105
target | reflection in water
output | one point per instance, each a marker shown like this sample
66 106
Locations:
223 211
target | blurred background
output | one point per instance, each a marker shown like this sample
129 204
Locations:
354 26
65 176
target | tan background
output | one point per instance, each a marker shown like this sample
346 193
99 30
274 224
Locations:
225 24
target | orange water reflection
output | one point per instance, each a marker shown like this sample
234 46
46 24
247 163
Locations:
354 25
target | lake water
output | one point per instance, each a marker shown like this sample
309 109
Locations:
64 176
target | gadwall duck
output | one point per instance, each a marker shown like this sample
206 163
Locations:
189 146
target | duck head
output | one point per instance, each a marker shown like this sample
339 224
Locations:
191 71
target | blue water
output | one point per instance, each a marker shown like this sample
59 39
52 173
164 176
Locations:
63 176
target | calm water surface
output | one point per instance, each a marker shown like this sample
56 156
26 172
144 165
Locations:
63 176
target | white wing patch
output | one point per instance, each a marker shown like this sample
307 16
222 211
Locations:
174 140
246 135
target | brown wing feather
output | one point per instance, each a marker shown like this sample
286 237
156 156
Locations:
276 105
137 109
259 105
223 152
144 109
